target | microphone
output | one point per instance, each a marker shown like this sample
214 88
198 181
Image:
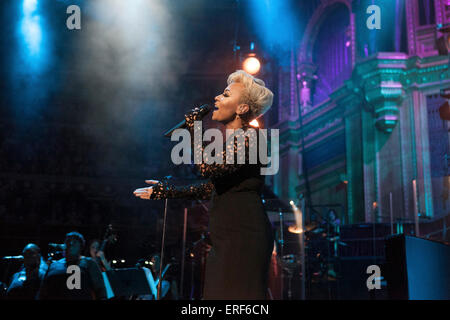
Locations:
203 111
13 258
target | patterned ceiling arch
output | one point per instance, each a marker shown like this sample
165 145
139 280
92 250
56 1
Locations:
315 23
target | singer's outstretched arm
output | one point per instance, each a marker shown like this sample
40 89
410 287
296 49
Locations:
200 191
166 190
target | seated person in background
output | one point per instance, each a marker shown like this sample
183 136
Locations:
25 283
54 285
99 256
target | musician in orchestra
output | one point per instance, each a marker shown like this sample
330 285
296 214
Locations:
26 282
241 234
54 285
98 255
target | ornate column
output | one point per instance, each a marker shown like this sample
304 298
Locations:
380 81
408 154
422 146
384 99
411 22
350 102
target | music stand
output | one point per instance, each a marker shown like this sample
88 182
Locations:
131 281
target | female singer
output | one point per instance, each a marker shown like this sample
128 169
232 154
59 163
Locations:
241 234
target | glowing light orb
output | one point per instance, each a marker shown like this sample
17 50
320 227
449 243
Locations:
254 123
251 65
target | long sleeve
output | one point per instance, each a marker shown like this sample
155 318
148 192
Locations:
242 145
165 190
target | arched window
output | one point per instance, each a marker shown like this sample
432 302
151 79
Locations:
332 53
426 12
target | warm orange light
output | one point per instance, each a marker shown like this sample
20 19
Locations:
251 65
294 229
254 123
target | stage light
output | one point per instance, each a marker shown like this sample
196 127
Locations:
31 29
294 229
251 64
294 207
297 227
29 6
254 123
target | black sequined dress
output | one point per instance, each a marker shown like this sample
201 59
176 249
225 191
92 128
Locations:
240 232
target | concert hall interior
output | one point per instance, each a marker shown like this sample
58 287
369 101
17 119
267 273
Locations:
358 198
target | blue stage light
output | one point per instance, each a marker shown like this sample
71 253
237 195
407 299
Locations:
29 7
32 34
31 31
275 24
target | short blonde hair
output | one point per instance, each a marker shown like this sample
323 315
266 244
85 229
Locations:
256 95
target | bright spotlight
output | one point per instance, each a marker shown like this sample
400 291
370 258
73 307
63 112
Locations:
294 207
31 27
29 6
251 64
32 34
254 123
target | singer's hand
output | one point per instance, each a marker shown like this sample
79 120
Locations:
145 193
192 116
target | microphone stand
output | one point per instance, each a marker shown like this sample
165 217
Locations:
183 253
203 110
162 251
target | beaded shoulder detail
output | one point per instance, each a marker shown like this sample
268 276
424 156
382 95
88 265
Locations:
239 150
236 153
